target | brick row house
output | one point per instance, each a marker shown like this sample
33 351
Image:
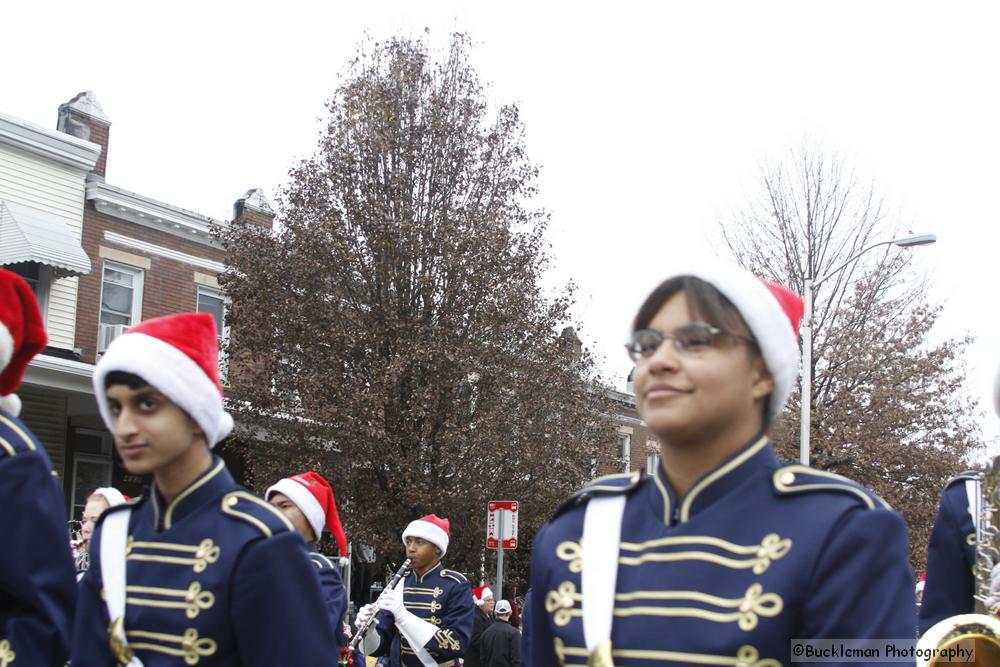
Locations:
100 259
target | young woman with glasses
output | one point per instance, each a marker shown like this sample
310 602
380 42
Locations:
721 555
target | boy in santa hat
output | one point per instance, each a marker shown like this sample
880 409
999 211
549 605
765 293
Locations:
37 586
484 600
307 501
427 618
197 553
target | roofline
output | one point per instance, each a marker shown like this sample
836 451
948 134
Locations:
149 212
50 144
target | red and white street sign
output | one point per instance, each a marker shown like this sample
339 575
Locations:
508 509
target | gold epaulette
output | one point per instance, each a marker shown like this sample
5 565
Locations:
247 507
609 485
452 574
794 479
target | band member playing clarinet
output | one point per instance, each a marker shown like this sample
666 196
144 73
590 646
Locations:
199 571
37 590
719 555
427 619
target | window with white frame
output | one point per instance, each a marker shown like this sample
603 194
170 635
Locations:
652 461
211 301
625 444
121 301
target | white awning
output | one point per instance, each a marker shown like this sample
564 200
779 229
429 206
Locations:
30 235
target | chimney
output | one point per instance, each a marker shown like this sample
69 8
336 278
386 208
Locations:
253 208
84 118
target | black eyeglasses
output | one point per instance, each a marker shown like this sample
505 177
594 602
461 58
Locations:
689 340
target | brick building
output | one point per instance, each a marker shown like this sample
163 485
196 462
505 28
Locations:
116 258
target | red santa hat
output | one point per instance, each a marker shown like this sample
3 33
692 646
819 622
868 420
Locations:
179 356
432 528
772 313
313 495
481 594
22 336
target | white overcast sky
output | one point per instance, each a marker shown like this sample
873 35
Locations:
649 120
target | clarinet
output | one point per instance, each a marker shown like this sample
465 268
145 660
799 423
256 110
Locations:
403 570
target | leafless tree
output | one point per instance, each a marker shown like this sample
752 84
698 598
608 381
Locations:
889 409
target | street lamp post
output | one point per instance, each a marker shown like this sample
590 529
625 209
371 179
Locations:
809 285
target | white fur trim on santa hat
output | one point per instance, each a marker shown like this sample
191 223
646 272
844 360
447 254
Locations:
483 594
110 494
427 531
304 500
770 326
172 373
6 346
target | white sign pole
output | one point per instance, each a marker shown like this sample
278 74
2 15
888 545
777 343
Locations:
499 592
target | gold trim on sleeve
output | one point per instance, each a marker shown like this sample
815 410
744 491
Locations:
446 641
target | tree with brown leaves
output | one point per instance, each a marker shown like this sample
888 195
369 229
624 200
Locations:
889 409
393 333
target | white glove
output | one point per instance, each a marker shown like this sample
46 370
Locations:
392 602
364 614
371 640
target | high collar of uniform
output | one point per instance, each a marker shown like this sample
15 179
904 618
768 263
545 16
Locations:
202 490
755 456
421 577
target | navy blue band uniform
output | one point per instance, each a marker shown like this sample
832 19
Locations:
37 581
217 577
442 597
334 594
754 555
951 555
